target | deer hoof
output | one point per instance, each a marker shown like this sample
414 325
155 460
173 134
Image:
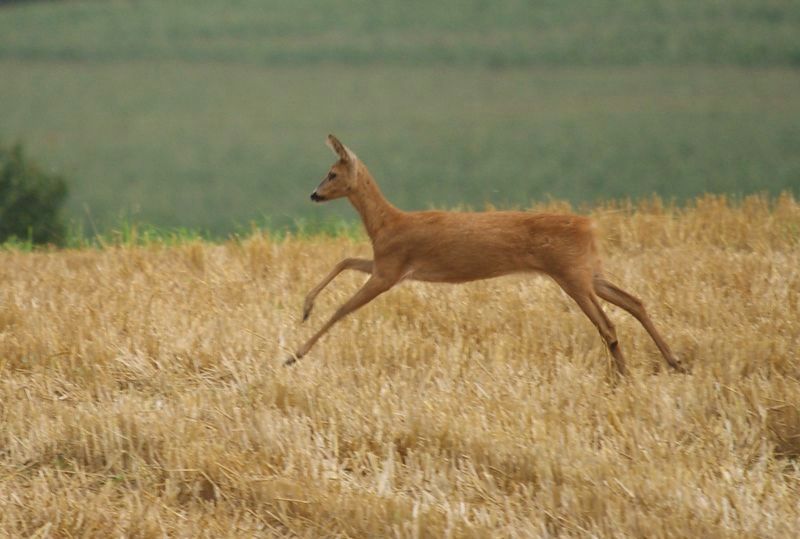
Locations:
307 311
677 365
680 368
290 361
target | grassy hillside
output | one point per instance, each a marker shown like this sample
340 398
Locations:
210 115
141 392
477 32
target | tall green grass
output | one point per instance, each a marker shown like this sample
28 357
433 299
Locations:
211 116
414 32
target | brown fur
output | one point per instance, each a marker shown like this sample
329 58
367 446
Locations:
457 247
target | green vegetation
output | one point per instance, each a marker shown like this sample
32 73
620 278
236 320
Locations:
212 116
411 33
30 200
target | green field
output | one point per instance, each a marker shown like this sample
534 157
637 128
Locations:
210 116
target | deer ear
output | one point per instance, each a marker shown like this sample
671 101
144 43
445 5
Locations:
340 149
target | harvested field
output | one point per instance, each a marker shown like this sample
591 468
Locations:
142 392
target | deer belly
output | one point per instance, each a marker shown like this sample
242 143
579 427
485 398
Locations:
463 269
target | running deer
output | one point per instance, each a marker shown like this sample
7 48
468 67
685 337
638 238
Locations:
456 247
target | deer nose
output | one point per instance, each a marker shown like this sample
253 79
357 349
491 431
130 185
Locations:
316 198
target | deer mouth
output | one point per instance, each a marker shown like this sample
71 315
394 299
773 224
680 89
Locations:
317 198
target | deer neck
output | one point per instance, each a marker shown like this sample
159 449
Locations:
371 205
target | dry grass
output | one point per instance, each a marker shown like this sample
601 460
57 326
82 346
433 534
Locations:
141 392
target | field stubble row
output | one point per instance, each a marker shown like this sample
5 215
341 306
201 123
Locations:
141 391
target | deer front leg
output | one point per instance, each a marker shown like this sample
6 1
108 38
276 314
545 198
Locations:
359 264
371 289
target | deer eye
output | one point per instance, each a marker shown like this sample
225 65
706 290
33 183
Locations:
332 176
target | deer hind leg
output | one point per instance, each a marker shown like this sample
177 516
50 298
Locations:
371 289
585 298
632 304
359 264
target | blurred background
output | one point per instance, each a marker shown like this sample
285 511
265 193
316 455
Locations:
212 115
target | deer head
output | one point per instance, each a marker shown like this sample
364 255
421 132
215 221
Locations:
342 177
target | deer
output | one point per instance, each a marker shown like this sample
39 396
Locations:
458 247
